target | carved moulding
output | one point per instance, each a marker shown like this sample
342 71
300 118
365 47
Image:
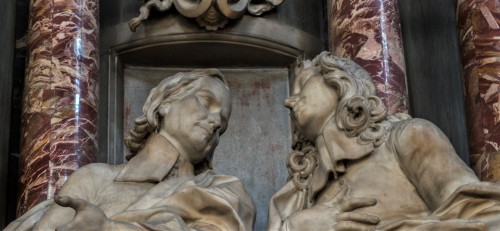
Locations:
210 14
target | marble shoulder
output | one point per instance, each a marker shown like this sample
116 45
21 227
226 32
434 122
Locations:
414 125
84 181
412 132
97 170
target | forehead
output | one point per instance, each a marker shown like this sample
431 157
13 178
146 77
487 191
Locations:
214 87
302 77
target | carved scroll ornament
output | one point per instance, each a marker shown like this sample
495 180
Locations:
210 14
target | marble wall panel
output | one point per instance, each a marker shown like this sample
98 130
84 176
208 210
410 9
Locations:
369 32
60 103
479 31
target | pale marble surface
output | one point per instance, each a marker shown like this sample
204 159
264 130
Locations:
168 182
355 168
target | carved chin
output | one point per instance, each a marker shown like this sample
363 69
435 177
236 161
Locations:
204 141
305 127
310 127
204 148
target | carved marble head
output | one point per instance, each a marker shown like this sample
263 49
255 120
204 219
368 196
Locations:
349 96
187 107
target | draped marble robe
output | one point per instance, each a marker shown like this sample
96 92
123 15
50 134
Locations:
416 177
148 193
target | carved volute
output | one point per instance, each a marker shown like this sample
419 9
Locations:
210 14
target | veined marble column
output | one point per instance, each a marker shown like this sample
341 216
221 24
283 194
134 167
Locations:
369 32
479 31
60 102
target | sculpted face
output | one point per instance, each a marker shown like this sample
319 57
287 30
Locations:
193 123
312 103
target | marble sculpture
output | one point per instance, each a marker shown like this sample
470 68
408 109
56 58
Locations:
355 168
167 184
209 14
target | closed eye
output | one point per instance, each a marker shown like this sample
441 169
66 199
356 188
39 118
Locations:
204 101
209 102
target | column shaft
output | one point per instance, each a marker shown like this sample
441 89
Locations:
60 102
368 31
479 35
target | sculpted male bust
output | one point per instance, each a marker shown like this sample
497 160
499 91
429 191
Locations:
168 183
355 168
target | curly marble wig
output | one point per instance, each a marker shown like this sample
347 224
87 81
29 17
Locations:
359 111
169 90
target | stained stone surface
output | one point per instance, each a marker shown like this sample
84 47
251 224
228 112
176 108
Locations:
479 31
255 145
368 31
60 103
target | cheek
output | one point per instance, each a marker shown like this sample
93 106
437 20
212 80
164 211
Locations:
313 116
311 109
190 115
303 118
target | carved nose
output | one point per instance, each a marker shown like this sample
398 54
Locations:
215 122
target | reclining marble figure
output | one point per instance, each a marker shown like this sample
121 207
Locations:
355 168
167 184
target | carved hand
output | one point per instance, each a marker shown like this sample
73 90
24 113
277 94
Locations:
337 215
87 217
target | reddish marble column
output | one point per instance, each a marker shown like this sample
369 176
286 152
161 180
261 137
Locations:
60 102
479 31
369 32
